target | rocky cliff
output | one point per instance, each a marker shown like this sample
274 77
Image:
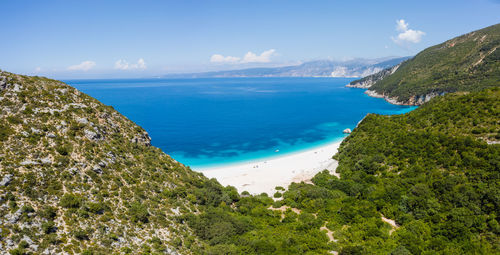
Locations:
77 176
368 81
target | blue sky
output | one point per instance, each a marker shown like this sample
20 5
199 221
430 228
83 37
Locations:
92 39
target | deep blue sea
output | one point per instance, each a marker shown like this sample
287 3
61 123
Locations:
216 121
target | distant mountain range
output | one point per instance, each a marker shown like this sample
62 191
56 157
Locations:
318 68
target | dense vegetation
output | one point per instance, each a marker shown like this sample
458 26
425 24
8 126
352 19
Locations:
470 62
435 171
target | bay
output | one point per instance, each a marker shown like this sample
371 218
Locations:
216 121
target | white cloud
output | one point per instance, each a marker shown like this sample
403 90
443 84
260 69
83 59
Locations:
250 57
38 69
121 64
84 66
141 64
413 36
217 58
124 65
406 34
264 57
401 25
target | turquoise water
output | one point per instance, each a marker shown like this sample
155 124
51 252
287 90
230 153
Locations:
217 121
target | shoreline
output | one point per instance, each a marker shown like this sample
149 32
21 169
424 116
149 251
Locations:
262 176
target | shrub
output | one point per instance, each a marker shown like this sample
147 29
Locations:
27 209
49 227
63 149
138 212
23 244
97 208
5 132
126 250
81 234
70 201
14 120
16 251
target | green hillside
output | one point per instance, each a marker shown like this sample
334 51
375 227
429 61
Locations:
75 176
470 62
435 171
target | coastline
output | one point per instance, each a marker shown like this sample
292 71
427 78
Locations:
413 101
265 174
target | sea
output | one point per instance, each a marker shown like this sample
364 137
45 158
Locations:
212 122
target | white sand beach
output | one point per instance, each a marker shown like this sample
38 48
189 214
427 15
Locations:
263 176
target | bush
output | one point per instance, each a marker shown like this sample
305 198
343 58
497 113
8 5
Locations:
81 234
49 227
5 132
27 209
63 149
16 251
70 201
23 244
138 212
14 120
97 208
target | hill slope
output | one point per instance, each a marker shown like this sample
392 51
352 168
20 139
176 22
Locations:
470 62
76 175
434 170
425 182
368 81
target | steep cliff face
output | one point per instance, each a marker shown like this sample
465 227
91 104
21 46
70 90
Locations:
470 62
77 175
413 100
368 81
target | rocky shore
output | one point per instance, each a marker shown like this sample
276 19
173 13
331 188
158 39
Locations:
414 100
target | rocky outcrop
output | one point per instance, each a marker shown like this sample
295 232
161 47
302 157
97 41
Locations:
142 138
6 180
93 136
3 83
369 80
414 100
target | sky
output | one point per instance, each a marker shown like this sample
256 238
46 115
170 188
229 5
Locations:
122 39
